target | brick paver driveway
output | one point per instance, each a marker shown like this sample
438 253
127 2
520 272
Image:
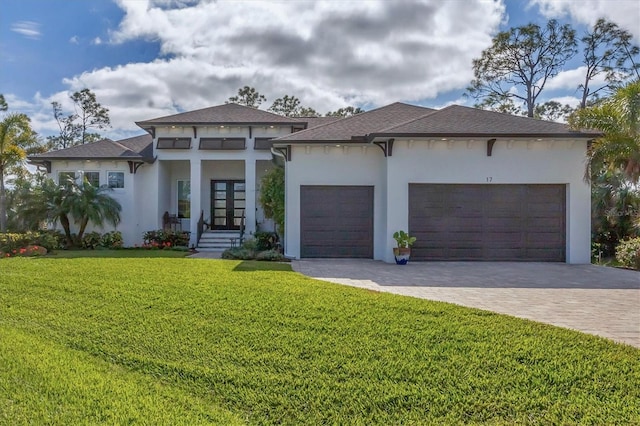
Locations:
593 299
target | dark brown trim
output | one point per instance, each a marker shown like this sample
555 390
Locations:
285 151
372 136
490 144
195 132
386 147
45 163
250 132
39 160
146 124
134 166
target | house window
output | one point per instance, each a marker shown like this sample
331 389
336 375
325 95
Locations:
93 178
115 179
184 198
64 177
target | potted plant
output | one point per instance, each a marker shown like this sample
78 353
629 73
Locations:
403 251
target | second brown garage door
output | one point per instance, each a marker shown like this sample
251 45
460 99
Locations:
487 222
336 221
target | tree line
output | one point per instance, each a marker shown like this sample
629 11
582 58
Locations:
288 106
513 72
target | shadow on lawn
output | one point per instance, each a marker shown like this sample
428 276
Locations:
254 265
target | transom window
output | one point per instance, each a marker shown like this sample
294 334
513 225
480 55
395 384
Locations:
222 143
115 179
174 143
263 144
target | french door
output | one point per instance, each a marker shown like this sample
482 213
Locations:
227 204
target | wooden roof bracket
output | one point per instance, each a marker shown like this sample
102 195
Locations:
386 147
490 144
285 151
134 166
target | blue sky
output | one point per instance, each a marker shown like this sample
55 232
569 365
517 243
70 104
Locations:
148 58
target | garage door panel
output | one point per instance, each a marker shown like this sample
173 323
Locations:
336 221
488 222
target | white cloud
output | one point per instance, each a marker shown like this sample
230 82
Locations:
329 54
625 13
74 40
97 41
29 29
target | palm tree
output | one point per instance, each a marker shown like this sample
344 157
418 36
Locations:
16 137
89 203
614 206
618 117
82 202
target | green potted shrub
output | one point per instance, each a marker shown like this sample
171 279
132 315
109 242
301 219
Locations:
403 251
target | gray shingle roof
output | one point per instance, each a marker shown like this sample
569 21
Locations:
316 121
457 120
135 148
360 125
221 114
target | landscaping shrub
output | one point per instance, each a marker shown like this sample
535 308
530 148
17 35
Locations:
272 255
28 251
111 240
91 240
266 240
628 253
163 239
10 242
238 253
51 240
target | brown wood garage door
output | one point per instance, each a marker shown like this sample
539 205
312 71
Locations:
336 221
487 222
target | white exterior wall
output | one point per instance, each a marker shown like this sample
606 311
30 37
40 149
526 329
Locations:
125 196
317 165
459 161
153 189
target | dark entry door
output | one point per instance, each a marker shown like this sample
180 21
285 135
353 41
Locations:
227 204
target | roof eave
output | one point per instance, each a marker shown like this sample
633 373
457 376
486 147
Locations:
147 124
371 137
85 158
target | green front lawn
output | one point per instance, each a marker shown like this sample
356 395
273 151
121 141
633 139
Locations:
196 341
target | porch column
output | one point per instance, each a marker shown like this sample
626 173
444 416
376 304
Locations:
196 195
250 195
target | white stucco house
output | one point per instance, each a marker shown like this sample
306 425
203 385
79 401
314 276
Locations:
469 184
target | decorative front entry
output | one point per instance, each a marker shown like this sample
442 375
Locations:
227 204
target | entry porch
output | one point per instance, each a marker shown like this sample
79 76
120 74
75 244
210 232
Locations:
224 194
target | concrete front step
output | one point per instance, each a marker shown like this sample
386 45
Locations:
218 240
